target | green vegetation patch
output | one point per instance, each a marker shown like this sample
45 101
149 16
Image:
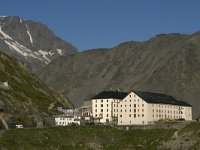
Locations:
83 137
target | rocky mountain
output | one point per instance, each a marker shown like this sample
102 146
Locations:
31 42
166 63
23 96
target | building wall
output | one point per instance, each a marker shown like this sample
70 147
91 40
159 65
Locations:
134 110
187 113
104 109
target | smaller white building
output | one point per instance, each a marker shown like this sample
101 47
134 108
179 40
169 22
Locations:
63 120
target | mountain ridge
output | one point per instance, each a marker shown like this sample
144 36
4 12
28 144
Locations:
166 63
31 42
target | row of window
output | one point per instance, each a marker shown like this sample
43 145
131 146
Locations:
135 115
133 105
166 116
120 105
167 111
166 106
115 101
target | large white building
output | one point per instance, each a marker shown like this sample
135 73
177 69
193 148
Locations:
105 105
138 107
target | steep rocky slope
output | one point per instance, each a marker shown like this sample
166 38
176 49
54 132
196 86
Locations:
166 63
31 42
26 98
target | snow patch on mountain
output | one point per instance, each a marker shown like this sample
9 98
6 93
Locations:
28 32
44 53
60 51
5 36
50 53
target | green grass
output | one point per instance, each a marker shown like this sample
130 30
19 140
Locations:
192 127
79 137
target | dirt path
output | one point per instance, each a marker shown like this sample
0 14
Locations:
51 106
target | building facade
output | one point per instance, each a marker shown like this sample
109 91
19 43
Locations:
105 105
138 108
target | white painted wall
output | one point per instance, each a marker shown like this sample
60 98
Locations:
134 110
105 109
64 121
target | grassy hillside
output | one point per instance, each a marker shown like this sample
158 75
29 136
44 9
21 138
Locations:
26 97
83 137
187 138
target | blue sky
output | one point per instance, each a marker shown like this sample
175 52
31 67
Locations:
89 24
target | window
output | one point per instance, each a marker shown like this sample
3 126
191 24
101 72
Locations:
96 101
134 110
95 110
130 100
130 105
95 105
125 110
130 115
107 100
101 110
120 115
121 105
142 110
107 115
102 101
138 115
101 105
130 110
142 105
142 115
130 95
107 110
134 115
134 105
107 105
125 105
121 110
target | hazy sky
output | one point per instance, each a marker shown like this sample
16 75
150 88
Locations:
91 24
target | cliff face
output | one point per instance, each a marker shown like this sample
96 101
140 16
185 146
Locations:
31 42
166 63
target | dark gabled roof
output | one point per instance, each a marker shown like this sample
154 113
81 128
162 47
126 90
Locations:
111 94
160 98
183 103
